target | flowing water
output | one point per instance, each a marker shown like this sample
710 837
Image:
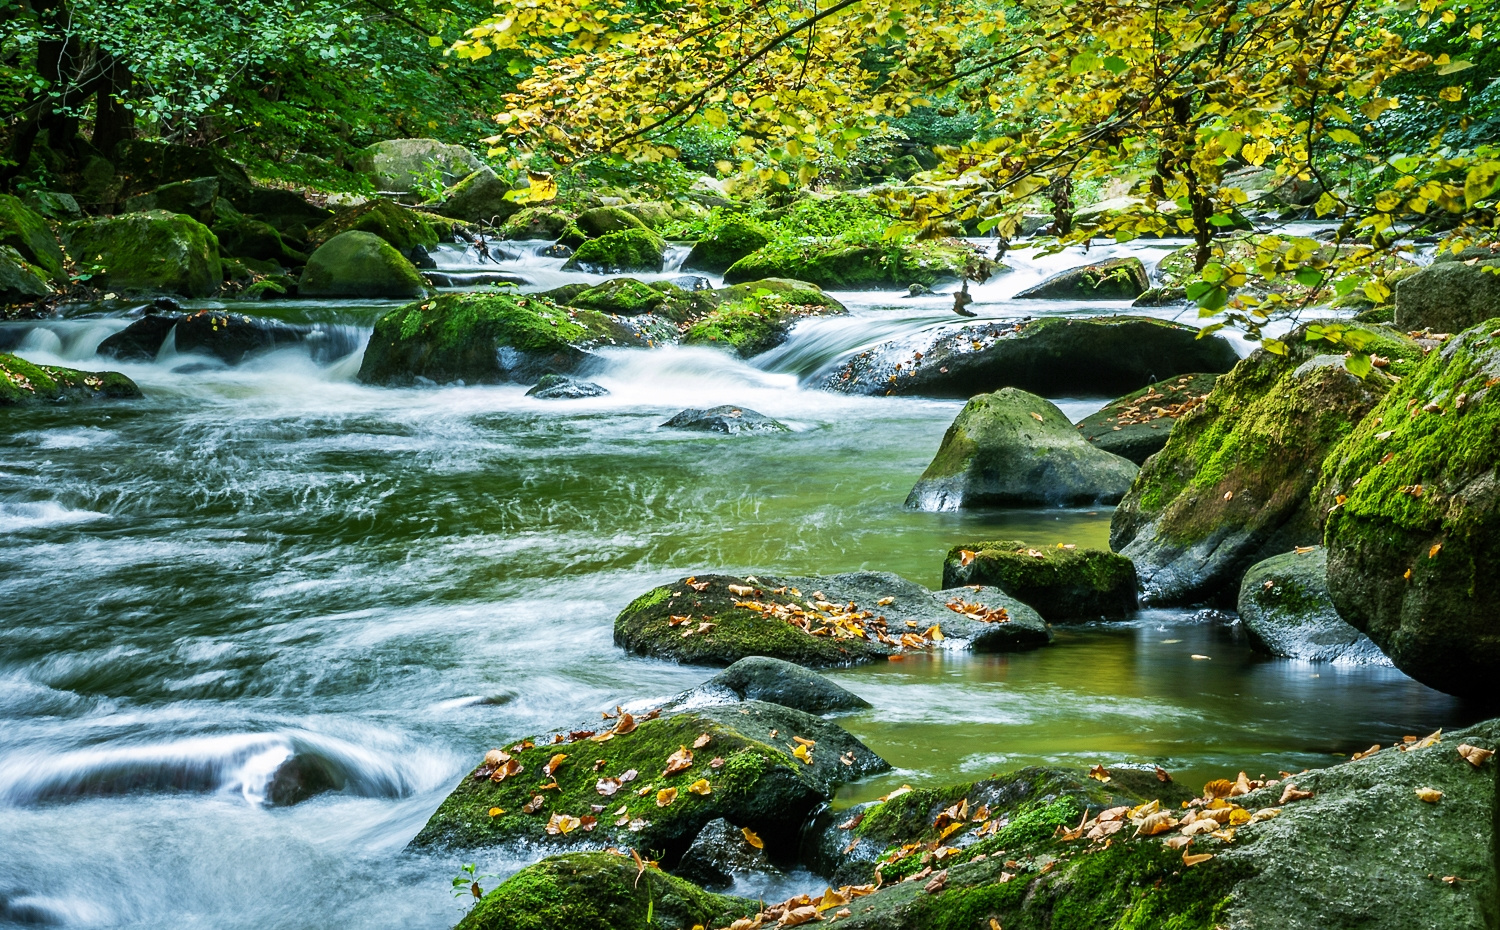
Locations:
273 559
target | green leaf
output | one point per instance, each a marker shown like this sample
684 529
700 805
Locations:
1359 364
1481 182
1309 277
1116 65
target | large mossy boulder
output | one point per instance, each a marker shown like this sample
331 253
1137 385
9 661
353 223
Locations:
1450 296
400 166
25 384
637 249
1413 528
1112 279
288 211
141 165
359 264
1061 582
546 223
1014 449
855 618
20 281
1285 608
848 266
404 229
246 238
752 318
601 891
481 339
731 241
659 214
1137 425
601 221
199 198
620 296
148 253
671 775
1055 356
480 198
24 230
1233 484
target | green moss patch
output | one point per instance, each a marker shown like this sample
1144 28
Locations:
1062 583
22 383
404 229
635 249
846 266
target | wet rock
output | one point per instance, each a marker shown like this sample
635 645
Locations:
300 777
841 266
25 384
1413 525
1137 425
1450 296
472 279
402 165
20 281
1062 584
547 223
615 252
719 853
405 230
1114 279
760 784
727 244
359 264
590 890
1232 485
1285 607
148 253
756 317
760 678
480 198
1010 449
620 296
141 340
24 230
229 337
890 616
1057 356
727 419
560 387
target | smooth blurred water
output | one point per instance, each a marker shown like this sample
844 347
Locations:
274 559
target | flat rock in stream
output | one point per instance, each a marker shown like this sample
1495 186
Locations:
1053 356
727 419
561 387
821 622
25 384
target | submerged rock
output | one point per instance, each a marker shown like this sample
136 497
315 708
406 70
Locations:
719 853
1285 607
1137 425
759 678
359 264
148 253
561 387
841 266
1061 583
1413 525
1114 279
25 384
1450 296
727 419
864 617
636 249
300 777
1053 356
727 244
759 782
1010 449
599 890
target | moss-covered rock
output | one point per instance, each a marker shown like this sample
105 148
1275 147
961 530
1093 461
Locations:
856 618
20 281
24 230
480 198
733 240
1010 449
759 782
247 238
1112 279
756 317
601 891
404 229
601 221
1449 296
1061 582
1137 425
1232 486
359 264
547 223
403 165
287 211
620 296
1285 608
54 205
1053 356
480 339
1413 528
25 384
637 249
148 253
199 198
845 266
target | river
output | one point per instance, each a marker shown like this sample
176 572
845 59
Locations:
274 559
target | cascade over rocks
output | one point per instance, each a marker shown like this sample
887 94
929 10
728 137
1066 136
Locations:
1062 583
1113 279
229 337
1056 356
1285 607
727 618
25 384
758 316
148 253
359 264
1010 449
1137 425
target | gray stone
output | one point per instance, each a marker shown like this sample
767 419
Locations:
1285 607
20 281
1114 279
1449 297
760 678
480 198
561 387
1137 425
727 419
719 853
400 165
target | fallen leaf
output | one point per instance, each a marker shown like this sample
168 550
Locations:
496 757
701 787
562 824
1218 788
716 763
1293 793
1430 795
739 590
554 763
803 753
1366 754
965 556
1474 755
1099 773
938 883
626 725
511 767
496 812
1158 822
1228 495
607 786
629 775
995 924
666 796
888 601
1436 548
934 633
702 741
534 805
809 743
797 916
679 761
1163 776
1190 860
752 838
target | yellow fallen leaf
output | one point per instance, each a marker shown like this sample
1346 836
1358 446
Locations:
1474 755
1099 773
1432 553
1218 788
888 601
496 812
1037 417
965 556
554 763
666 796
562 824
803 753
701 787
1430 795
752 838
934 633
1190 860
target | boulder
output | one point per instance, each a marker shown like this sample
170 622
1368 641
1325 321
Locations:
302 776
1137 425
1113 279
404 165
1285 607
601 221
1057 356
480 198
148 253
627 250
142 165
758 316
287 211
620 296
1268 187
1449 296
481 339
1061 583
755 779
1014 449
359 264
760 678
1413 524
54 205
721 852
25 384
727 419
845 266
247 238
20 281
548 223
658 214
1232 486
561 387
404 229
736 238
141 340
229 337
24 230
866 616
198 198
598 890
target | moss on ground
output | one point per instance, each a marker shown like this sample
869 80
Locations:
846 266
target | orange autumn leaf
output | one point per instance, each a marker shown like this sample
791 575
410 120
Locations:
553 763
1191 860
666 796
511 767
752 838
562 824
679 761
702 741
701 787
626 725
1474 755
